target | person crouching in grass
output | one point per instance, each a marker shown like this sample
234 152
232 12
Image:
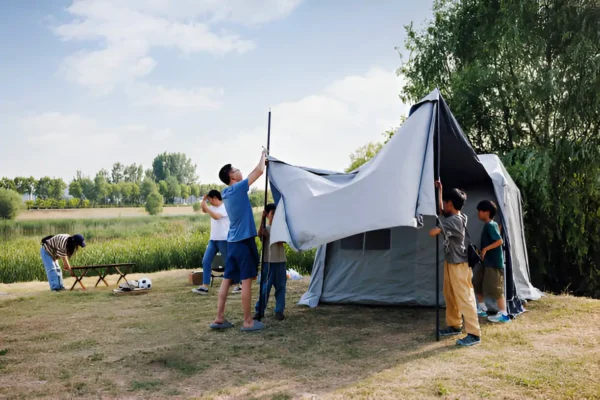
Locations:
489 280
59 247
273 267
458 286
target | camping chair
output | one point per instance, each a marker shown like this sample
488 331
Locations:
217 268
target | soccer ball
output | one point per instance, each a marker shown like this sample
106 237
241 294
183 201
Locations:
145 283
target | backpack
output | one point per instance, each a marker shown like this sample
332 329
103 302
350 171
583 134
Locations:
473 257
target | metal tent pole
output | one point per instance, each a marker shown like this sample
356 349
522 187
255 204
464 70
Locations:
261 297
437 238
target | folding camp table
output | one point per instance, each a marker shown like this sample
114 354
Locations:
103 270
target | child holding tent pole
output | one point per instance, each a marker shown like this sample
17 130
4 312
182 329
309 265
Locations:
458 288
274 267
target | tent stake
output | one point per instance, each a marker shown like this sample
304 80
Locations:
263 222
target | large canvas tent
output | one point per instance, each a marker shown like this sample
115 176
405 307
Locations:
370 226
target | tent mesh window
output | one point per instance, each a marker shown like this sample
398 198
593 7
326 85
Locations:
374 240
378 240
354 242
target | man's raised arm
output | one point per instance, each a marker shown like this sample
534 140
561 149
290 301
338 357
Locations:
259 170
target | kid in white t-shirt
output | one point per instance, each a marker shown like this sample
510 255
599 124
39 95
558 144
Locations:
219 228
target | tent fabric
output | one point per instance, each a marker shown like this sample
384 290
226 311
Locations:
319 209
509 196
370 225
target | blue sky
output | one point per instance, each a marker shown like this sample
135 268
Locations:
87 83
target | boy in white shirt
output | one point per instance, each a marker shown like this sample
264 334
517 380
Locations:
219 228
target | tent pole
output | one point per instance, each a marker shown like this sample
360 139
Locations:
437 238
437 289
263 222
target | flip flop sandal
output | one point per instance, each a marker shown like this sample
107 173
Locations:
257 326
224 325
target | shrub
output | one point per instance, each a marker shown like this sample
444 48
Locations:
73 203
154 203
197 207
11 204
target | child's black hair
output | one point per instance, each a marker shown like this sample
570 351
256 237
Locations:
457 197
270 207
215 194
489 206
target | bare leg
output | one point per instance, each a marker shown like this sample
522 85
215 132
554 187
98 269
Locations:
223 292
502 305
246 300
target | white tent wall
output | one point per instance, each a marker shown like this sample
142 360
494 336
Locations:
509 200
404 274
320 209
394 202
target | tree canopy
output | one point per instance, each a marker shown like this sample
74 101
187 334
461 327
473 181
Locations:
177 165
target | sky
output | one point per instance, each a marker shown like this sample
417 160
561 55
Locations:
87 83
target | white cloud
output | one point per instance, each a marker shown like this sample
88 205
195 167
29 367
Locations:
162 135
245 12
322 130
101 70
319 130
129 29
175 101
53 126
59 144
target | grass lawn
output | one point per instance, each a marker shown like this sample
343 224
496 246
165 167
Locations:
95 345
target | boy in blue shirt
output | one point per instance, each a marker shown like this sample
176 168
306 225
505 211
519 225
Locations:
242 260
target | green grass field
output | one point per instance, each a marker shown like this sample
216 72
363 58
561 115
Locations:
153 243
93 345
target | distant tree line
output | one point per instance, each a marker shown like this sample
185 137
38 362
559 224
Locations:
173 176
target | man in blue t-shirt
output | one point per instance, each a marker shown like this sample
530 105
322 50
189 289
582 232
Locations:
242 260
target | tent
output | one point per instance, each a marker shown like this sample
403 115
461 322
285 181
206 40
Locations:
370 226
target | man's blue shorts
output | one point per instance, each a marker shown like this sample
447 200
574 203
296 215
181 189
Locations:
242 260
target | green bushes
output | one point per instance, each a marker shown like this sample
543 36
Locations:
10 204
153 243
154 203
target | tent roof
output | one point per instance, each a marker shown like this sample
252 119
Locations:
398 181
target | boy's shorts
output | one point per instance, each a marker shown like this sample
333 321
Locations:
488 281
242 260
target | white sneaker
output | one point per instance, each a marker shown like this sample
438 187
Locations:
499 318
236 290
